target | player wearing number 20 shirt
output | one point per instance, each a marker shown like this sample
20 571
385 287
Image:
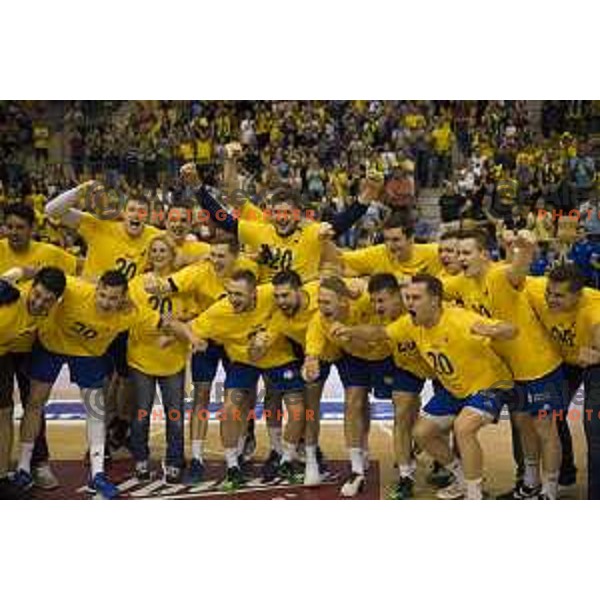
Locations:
81 325
112 245
288 240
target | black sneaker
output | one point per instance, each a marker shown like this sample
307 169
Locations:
403 489
142 471
246 467
322 462
287 470
567 477
234 479
439 477
269 468
521 492
10 491
173 475
195 472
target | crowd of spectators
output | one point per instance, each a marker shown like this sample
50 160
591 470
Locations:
483 158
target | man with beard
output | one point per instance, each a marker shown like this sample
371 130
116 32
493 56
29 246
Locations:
398 254
22 309
18 249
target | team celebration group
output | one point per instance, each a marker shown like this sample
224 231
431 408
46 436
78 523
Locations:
272 297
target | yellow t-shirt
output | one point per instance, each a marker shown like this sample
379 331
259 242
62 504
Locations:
203 151
144 351
17 326
405 352
442 139
571 330
262 122
462 362
531 354
339 180
300 251
223 125
275 134
37 202
192 248
251 212
319 340
414 120
111 247
295 327
41 136
234 330
77 328
186 151
377 259
37 255
201 282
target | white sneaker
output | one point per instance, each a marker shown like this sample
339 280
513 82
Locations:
312 476
353 485
455 491
44 478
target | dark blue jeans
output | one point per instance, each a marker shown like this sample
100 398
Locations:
591 422
172 393
16 364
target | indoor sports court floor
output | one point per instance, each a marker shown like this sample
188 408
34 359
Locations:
66 435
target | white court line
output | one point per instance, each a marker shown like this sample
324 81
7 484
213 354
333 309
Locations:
128 484
148 489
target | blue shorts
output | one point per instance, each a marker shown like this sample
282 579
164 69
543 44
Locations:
405 381
541 395
283 379
444 404
375 375
205 364
117 354
85 371
324 370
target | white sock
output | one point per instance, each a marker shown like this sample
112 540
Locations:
406 471
275 439
550 487
96 429
240 444
197 449
357 460
96 432
456 469
289 452
311 454
96 459
474 489
531 475
25 458
231 457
